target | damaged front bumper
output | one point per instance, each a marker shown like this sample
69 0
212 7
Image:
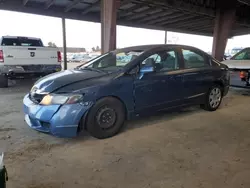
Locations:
27 71
58 120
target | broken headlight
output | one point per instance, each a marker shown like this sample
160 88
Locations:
51 99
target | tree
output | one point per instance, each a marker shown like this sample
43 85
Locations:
52 44
83 49
93 49
97 48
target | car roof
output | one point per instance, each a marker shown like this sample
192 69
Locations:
152 46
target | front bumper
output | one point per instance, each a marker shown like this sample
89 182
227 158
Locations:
58 120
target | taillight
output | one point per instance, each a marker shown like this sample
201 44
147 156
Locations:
243 74
59 56
1 56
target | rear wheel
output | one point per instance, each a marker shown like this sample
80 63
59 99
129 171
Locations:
3 81
213 98
105 118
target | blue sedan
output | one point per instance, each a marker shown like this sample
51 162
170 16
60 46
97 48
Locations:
101 94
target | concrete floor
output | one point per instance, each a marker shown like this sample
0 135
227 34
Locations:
191 148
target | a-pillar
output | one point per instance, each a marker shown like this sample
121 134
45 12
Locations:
225 17
108 24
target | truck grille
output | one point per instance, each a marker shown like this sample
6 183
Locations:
40 68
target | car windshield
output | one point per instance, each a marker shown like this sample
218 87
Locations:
236 50
242 55
112 61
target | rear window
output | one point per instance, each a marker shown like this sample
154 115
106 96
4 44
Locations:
21 42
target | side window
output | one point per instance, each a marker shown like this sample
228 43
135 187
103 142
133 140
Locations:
151 60
162 61
193 59
169 61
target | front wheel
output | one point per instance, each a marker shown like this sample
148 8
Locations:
213 98
105 118
3 81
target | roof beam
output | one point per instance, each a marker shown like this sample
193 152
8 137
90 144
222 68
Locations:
25 2
179 5
163 18
49 3
140 25
198 22
142 13
71 5
91 7
201 26
239 32
176 19
130 10
157 16
97 4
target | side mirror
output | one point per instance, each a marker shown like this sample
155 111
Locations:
145 70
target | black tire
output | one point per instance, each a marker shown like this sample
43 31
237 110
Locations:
3 81
207 103
105 118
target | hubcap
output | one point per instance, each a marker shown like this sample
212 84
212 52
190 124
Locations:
106 117
215 97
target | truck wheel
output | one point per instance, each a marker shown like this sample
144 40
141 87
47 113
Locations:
105 118
213 98
3 81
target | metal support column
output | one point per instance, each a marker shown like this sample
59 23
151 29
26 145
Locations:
225 17
108 24
64 44
166 37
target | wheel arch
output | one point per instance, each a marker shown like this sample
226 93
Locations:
220 83
82 123
119 99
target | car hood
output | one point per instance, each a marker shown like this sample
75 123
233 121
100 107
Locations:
58 80
237 64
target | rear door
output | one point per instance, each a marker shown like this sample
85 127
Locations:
197 73
27 51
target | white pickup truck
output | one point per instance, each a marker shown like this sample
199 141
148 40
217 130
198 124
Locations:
25 57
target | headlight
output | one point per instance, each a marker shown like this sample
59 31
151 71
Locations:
61 99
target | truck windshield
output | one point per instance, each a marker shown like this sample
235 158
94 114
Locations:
112 61
21 42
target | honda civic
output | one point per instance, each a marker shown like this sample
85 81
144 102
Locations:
102 94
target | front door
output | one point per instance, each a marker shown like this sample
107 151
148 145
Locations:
161 88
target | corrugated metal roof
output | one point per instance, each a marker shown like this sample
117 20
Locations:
187 16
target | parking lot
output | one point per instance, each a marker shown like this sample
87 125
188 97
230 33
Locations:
188 148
